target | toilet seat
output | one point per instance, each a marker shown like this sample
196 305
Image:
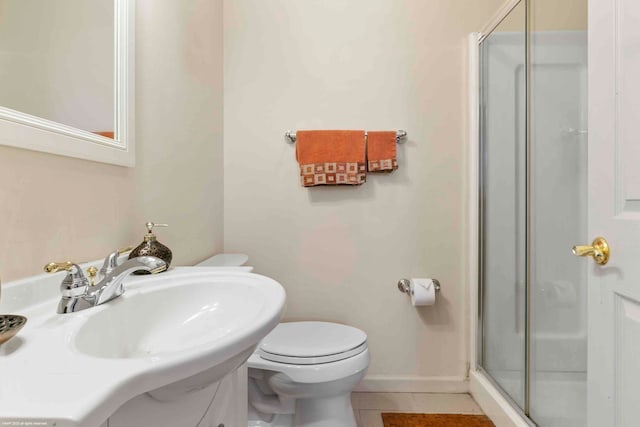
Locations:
312 360
312 343
312 374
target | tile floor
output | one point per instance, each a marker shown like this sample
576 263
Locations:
369 406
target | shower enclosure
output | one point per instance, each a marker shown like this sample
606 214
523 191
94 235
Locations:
532 200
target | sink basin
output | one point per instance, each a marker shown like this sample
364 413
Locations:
169 333
197 313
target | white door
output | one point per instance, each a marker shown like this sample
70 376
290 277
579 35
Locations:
614 213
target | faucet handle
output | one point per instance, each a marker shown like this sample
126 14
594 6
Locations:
54 267
123 251
75 283
111 261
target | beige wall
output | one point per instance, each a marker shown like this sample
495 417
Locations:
548 15
58 208
372 64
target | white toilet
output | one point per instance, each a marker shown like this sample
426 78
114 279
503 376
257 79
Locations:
302 373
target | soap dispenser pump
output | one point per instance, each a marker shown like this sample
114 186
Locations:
151 246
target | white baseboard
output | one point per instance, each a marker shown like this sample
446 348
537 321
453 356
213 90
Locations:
493 404
413 384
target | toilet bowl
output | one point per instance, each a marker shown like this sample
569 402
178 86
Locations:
302 375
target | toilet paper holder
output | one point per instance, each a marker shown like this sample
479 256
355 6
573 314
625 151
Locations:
404 285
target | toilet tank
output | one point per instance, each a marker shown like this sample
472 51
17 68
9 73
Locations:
227 260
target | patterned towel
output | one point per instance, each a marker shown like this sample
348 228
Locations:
381 151
331 157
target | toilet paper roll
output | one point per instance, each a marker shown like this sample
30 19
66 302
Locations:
423 292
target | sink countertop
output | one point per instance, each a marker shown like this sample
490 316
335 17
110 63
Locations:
45 379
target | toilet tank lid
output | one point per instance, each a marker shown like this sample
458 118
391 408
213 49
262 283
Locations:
225 260
312 339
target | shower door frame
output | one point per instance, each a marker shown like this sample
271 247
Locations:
491 397
556 56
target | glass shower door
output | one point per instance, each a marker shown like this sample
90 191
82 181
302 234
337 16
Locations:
558 194
503 199
533 203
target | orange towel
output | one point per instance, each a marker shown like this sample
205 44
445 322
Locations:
381 151
108 134
331 157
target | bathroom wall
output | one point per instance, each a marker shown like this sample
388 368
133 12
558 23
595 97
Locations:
361 64
551 15
58 208
565 15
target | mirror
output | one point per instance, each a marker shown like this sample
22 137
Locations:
66 68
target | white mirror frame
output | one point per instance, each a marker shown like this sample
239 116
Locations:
22 130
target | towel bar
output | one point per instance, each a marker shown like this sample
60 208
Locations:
401 136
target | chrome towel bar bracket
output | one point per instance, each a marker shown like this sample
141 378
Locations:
401 136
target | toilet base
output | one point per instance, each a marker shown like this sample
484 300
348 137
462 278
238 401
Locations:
334 411
325 404
277 421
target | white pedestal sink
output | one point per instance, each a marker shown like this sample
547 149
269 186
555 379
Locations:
169 335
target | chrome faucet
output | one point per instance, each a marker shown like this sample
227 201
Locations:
78 294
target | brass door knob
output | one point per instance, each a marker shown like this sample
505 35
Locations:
599 250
